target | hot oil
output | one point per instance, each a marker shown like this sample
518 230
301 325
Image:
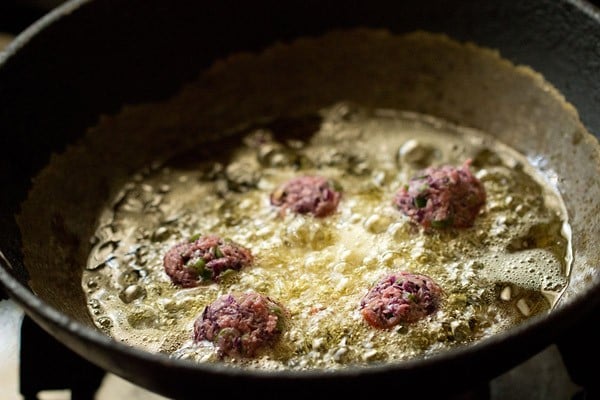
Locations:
511 265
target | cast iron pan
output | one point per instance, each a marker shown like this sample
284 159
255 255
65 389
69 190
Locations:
88 58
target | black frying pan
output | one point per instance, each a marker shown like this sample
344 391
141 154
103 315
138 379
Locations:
88 58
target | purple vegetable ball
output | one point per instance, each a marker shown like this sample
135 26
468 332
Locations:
241 325
307 195
400 298
204 259
442 197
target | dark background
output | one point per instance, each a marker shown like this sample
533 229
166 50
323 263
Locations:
16 15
